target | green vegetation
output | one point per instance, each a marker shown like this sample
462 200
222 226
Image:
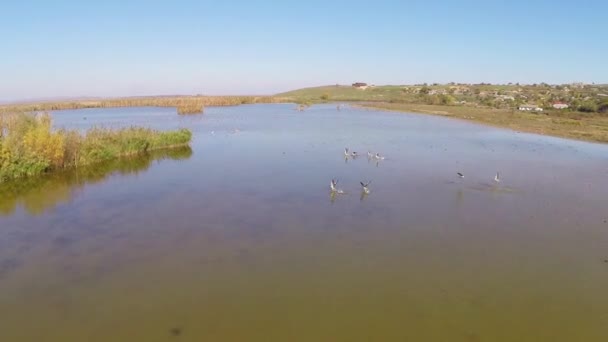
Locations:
183 104
586 117
29 146
39 194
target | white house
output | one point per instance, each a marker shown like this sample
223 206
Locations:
560 105
530 108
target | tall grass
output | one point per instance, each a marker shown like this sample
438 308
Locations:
183 104
29 146
36 195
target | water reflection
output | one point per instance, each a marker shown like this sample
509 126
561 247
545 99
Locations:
41 194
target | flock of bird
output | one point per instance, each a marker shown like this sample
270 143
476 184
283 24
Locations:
333 185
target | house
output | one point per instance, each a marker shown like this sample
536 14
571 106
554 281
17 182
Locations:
360 85
560 105
530 108
505 97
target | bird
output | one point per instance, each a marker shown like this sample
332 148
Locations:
497 177
379 157
460 174
365 187
354 154
333 187
370 155
346 154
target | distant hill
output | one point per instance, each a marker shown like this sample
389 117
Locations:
344 93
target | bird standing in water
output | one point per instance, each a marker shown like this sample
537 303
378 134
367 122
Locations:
497 177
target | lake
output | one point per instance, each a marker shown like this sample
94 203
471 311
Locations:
238 238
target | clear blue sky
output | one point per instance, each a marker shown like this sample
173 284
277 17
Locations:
111 48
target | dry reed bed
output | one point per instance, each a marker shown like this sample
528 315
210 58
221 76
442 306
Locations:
183 104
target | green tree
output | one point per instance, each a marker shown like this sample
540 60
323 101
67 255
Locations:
603 107
588 107
425 90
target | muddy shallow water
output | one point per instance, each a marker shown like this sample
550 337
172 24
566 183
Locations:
239 239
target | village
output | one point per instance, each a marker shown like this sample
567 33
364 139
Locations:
586 98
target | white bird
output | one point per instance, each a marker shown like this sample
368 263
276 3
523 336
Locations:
379 157
354 154
346 154
365 187
497 177
333 187
370 155
460 174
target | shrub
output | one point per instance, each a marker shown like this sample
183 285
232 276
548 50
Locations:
587 107
29 146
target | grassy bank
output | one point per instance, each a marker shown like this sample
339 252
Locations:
572 125
183 104
36 195
29 146
489 104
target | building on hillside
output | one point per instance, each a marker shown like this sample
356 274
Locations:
505 97
560 105
530 108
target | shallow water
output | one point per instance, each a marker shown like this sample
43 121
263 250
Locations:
238 238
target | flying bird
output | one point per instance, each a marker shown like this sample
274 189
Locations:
497 177
333 186
365 187
460 174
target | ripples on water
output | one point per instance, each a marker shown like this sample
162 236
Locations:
238 238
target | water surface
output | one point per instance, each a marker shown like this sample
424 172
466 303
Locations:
238 238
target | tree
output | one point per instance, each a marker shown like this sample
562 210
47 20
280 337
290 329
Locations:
425 90
446 99
588 107
603 107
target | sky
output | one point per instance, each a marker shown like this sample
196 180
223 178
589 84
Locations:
52 49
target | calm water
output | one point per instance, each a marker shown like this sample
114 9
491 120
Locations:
238 238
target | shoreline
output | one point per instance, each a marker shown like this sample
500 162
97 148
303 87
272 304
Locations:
592 130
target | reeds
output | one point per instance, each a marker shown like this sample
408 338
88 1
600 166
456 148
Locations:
29 146
183 104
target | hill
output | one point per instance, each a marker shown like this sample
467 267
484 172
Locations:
578 111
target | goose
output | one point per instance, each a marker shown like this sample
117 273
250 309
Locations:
333 187
365 187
